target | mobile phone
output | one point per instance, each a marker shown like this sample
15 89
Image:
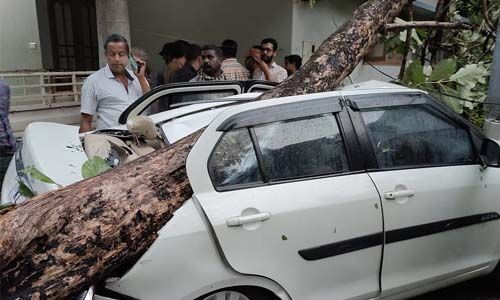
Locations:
133 63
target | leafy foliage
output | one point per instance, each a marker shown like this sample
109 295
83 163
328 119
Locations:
5 206
34 173
464 71
94 166
448 84
414 75
444 70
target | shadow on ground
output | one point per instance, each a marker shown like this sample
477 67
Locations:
483 288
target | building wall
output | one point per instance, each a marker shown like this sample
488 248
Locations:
311 26
426 4
152 23
19 28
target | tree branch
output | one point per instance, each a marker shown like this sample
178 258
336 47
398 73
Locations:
425 25
441 8
487 19
407 42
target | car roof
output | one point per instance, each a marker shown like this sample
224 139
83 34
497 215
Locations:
363 88
374 86
201 106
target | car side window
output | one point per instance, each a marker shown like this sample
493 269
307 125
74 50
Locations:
233 161
170 101
302 147
416 136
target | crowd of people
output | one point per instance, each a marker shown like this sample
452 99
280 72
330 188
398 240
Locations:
109 91
190 62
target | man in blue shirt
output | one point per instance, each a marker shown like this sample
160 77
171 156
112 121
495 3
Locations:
7 139
110 90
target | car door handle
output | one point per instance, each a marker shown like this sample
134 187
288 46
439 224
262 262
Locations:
398 194
242 220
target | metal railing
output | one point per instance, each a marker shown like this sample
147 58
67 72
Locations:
42 90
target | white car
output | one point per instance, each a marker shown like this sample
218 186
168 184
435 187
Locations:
58 151
374 191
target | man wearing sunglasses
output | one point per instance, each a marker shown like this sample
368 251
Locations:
268 69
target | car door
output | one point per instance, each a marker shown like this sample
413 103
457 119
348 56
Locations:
170 96
288 200
440 207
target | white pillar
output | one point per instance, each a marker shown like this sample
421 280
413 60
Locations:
491 125
494 84
112 17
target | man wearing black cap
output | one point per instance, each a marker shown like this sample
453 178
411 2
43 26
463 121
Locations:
174 54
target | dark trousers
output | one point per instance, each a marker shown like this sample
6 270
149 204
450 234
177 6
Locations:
5 159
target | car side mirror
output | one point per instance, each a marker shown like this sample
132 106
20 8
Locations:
490 153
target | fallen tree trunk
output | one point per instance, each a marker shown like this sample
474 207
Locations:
63 241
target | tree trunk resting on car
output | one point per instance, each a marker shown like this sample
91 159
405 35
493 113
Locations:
64 241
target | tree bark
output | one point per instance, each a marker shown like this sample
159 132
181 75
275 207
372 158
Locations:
425 25
63 241
406 49
436 39
441 9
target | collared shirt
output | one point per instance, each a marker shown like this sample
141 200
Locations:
234 70
104 96
204 77
7 139
278 73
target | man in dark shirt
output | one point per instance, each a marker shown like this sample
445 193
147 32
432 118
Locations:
190 70
292 63
7 139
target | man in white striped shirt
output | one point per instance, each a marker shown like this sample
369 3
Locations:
268 69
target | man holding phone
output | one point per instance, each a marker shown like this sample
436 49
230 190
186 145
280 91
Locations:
109 91
267 68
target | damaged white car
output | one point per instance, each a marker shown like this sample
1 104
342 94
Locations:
173 111
374 191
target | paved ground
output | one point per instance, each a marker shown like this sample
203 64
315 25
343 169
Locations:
484 288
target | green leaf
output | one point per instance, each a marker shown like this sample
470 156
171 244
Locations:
470 75
454 103
414 74
94 166
443 70
5 206
468 78
36 174
24 190
393 44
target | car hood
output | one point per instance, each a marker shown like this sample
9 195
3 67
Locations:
56 151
